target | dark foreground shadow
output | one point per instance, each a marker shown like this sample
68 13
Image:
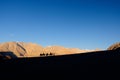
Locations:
7 55
75 66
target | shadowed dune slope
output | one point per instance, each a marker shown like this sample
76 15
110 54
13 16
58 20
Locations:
74 65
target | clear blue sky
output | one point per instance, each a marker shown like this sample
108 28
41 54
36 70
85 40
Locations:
84 24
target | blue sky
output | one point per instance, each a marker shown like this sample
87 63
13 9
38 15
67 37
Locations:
84 24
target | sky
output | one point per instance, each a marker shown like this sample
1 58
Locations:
84 24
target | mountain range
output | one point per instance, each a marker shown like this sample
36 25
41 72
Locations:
23 49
